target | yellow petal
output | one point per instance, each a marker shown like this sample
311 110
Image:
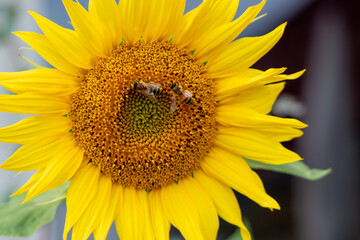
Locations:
229 115
33 156
224 200
250 79
219 13
130 223
281 134
43 47
175 14
184 34
148 225
94 214
36 65
90 32
260 99
106 13
82 189
65 41
218 39
62 166
243 53
160 222
47 81
208 215
163 17
253 145
181 210
34 128
111 214
236 173
33 180
31 103
292 76
134 14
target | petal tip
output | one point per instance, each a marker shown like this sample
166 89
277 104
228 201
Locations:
281 27
274 205
17 193
262 3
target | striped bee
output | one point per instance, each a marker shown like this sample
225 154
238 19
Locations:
151 90
182 95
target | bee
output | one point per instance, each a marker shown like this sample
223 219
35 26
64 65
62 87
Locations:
184 96
151 90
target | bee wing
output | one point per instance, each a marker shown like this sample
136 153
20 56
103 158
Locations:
149 85
157 85
173 104
187 94
151 95
146 85
147 91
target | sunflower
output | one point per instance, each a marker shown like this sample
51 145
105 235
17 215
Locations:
150 114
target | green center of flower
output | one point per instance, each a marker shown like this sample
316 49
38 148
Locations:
146 114
146 118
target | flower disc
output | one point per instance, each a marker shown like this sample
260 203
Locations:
133 137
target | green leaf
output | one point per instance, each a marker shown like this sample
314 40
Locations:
236 235
298 169
18 219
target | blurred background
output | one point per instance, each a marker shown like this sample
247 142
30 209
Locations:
322 36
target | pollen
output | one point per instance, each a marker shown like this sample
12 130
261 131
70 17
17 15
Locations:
135 136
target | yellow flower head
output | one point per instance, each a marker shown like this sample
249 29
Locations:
150 114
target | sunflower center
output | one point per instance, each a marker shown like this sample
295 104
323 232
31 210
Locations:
145 114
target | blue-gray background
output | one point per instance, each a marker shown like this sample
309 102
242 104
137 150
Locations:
321 36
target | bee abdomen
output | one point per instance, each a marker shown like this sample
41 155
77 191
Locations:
189 100
156 91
